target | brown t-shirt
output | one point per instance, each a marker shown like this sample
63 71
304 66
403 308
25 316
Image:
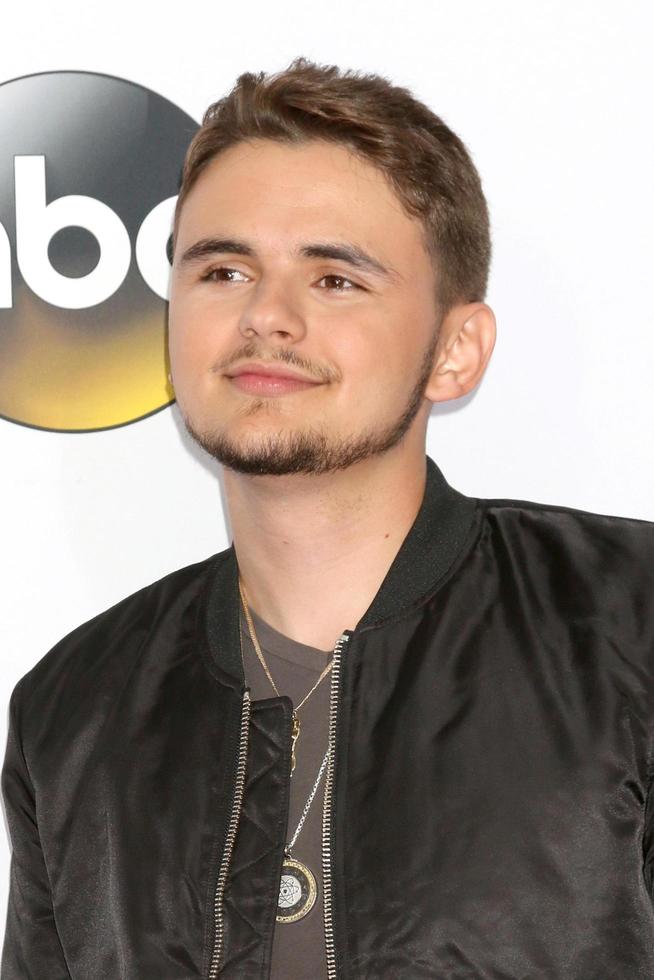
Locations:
298 947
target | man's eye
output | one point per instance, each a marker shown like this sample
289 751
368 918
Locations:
340 280
221 273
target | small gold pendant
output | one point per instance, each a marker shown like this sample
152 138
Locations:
295 734
297 891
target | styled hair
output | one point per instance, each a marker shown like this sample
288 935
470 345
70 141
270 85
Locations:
426 164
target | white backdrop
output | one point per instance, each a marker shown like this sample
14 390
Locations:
552 99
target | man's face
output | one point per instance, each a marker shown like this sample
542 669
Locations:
299 259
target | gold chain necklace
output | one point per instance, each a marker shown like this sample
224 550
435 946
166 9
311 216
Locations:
295 730
297 889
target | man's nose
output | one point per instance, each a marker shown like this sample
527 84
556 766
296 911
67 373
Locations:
272 311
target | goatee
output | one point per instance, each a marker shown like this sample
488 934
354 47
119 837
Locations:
312 450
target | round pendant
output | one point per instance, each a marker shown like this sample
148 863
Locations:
297 891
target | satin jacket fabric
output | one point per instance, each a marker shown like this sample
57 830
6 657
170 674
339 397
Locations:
492 809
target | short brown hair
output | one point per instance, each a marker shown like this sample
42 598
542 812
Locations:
427 165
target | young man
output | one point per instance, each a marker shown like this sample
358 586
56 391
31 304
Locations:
393 731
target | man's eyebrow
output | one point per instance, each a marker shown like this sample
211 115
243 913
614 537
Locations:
342 251
351 254
212 246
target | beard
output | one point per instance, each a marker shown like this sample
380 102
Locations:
313 450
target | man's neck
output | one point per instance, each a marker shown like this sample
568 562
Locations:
313 549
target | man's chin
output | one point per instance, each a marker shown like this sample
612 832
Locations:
266 455
310 450
293 453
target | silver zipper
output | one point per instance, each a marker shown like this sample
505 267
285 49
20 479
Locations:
232 828
327 810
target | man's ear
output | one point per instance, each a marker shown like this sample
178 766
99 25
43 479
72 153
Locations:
466 340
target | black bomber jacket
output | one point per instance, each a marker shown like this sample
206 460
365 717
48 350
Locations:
487 812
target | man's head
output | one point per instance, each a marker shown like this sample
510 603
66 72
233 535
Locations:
328 224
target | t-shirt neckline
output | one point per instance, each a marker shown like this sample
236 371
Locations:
277 645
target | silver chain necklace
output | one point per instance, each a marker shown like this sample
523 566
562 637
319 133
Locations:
297 888
307 805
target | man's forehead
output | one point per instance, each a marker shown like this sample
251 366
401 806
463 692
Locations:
325 154
313 175
275 198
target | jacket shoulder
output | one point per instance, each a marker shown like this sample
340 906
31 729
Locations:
116 633
634 531
582 551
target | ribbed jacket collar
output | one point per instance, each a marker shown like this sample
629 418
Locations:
428 551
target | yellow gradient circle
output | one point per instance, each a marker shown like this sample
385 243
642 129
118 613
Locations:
100 364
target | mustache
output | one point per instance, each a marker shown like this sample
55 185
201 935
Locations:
252 352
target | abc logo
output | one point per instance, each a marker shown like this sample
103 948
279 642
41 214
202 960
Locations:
89 172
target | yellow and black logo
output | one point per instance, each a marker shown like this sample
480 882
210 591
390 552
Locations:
89 173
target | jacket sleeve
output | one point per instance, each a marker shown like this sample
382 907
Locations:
32 949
